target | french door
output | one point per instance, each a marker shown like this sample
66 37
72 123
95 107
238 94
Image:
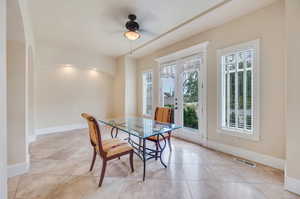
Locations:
181 88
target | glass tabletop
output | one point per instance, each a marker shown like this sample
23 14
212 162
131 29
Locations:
140 127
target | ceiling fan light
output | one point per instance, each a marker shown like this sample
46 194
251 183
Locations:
132 35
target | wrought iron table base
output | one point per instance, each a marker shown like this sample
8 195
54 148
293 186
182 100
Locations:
143 152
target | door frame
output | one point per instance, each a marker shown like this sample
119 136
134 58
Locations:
200 49
3 102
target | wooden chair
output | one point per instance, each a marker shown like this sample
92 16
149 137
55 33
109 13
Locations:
106 149
163 115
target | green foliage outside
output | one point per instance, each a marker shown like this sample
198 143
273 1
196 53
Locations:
190 95
190 99
190 88
190 118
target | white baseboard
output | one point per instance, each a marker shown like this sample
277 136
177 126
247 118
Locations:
188 138
249 155
17 169
57 129
292 185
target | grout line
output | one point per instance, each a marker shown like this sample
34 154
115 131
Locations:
17 188
190 190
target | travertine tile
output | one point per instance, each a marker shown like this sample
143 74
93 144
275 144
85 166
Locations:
110 189
38 186
154 189
241 190
218 189
60 170
13 183
11 194
275 191
206 189
260 175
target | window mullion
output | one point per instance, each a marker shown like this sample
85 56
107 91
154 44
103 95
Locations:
252 96
236 93
228 98
245 93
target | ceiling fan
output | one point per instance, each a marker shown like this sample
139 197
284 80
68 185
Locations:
133 28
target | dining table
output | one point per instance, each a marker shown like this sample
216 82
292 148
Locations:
138 130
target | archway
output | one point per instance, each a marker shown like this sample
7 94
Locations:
17 157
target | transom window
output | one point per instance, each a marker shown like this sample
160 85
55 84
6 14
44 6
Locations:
147 93
238 98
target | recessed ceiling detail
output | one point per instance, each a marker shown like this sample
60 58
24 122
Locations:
98 25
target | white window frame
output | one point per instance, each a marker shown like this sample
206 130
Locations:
198 49
255 133
143 91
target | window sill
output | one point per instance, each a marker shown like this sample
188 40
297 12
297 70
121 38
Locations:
147 116
241 134
190 130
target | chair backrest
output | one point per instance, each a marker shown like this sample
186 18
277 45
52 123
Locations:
163 114
94 132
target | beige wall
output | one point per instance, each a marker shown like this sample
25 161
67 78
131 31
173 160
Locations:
62 93
130 87
293 94
268 25
16 127
3 102
125 87
20 37
119 88
16 85
30 91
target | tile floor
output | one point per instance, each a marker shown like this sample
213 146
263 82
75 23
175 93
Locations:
60 164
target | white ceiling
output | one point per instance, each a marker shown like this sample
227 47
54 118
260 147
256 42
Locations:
98 25
220 15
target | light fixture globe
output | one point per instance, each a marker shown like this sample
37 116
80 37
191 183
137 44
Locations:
132 35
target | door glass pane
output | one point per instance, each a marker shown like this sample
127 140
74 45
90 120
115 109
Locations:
167 77
168 80
190 94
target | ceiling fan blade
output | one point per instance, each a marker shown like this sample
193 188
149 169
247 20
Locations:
119 17
144 18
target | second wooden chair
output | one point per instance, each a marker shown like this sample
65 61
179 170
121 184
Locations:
163 115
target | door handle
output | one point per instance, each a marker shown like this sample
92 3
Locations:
176 108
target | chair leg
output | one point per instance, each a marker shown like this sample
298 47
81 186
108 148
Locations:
156 153
131 161
102 172
93 161
169 141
